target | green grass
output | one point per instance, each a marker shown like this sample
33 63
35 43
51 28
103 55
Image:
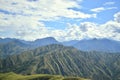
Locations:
14 76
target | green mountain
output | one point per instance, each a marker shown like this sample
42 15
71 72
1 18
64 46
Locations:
13 76
66 61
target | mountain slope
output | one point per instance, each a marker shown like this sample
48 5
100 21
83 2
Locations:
67 61
12 47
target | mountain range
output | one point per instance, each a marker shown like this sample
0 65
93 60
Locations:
102 45
66 61
10 46
95 59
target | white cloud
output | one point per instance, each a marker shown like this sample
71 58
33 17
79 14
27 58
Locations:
110 30
100 9
109 3
22 19
117 17
88 30
110 8
29 13
32 34
40 8
24 16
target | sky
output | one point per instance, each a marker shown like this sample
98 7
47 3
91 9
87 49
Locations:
62 19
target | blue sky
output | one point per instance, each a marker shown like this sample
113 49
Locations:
62 19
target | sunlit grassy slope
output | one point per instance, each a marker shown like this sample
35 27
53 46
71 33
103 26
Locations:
14 76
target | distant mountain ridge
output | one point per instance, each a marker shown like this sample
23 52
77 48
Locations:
37 43
10 46
102 45
70 43
45 41
6 40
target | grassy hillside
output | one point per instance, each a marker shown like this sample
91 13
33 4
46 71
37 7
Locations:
13 76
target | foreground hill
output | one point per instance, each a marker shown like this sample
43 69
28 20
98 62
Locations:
13 76
66 61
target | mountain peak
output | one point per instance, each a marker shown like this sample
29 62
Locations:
46 38
45 41
49 38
